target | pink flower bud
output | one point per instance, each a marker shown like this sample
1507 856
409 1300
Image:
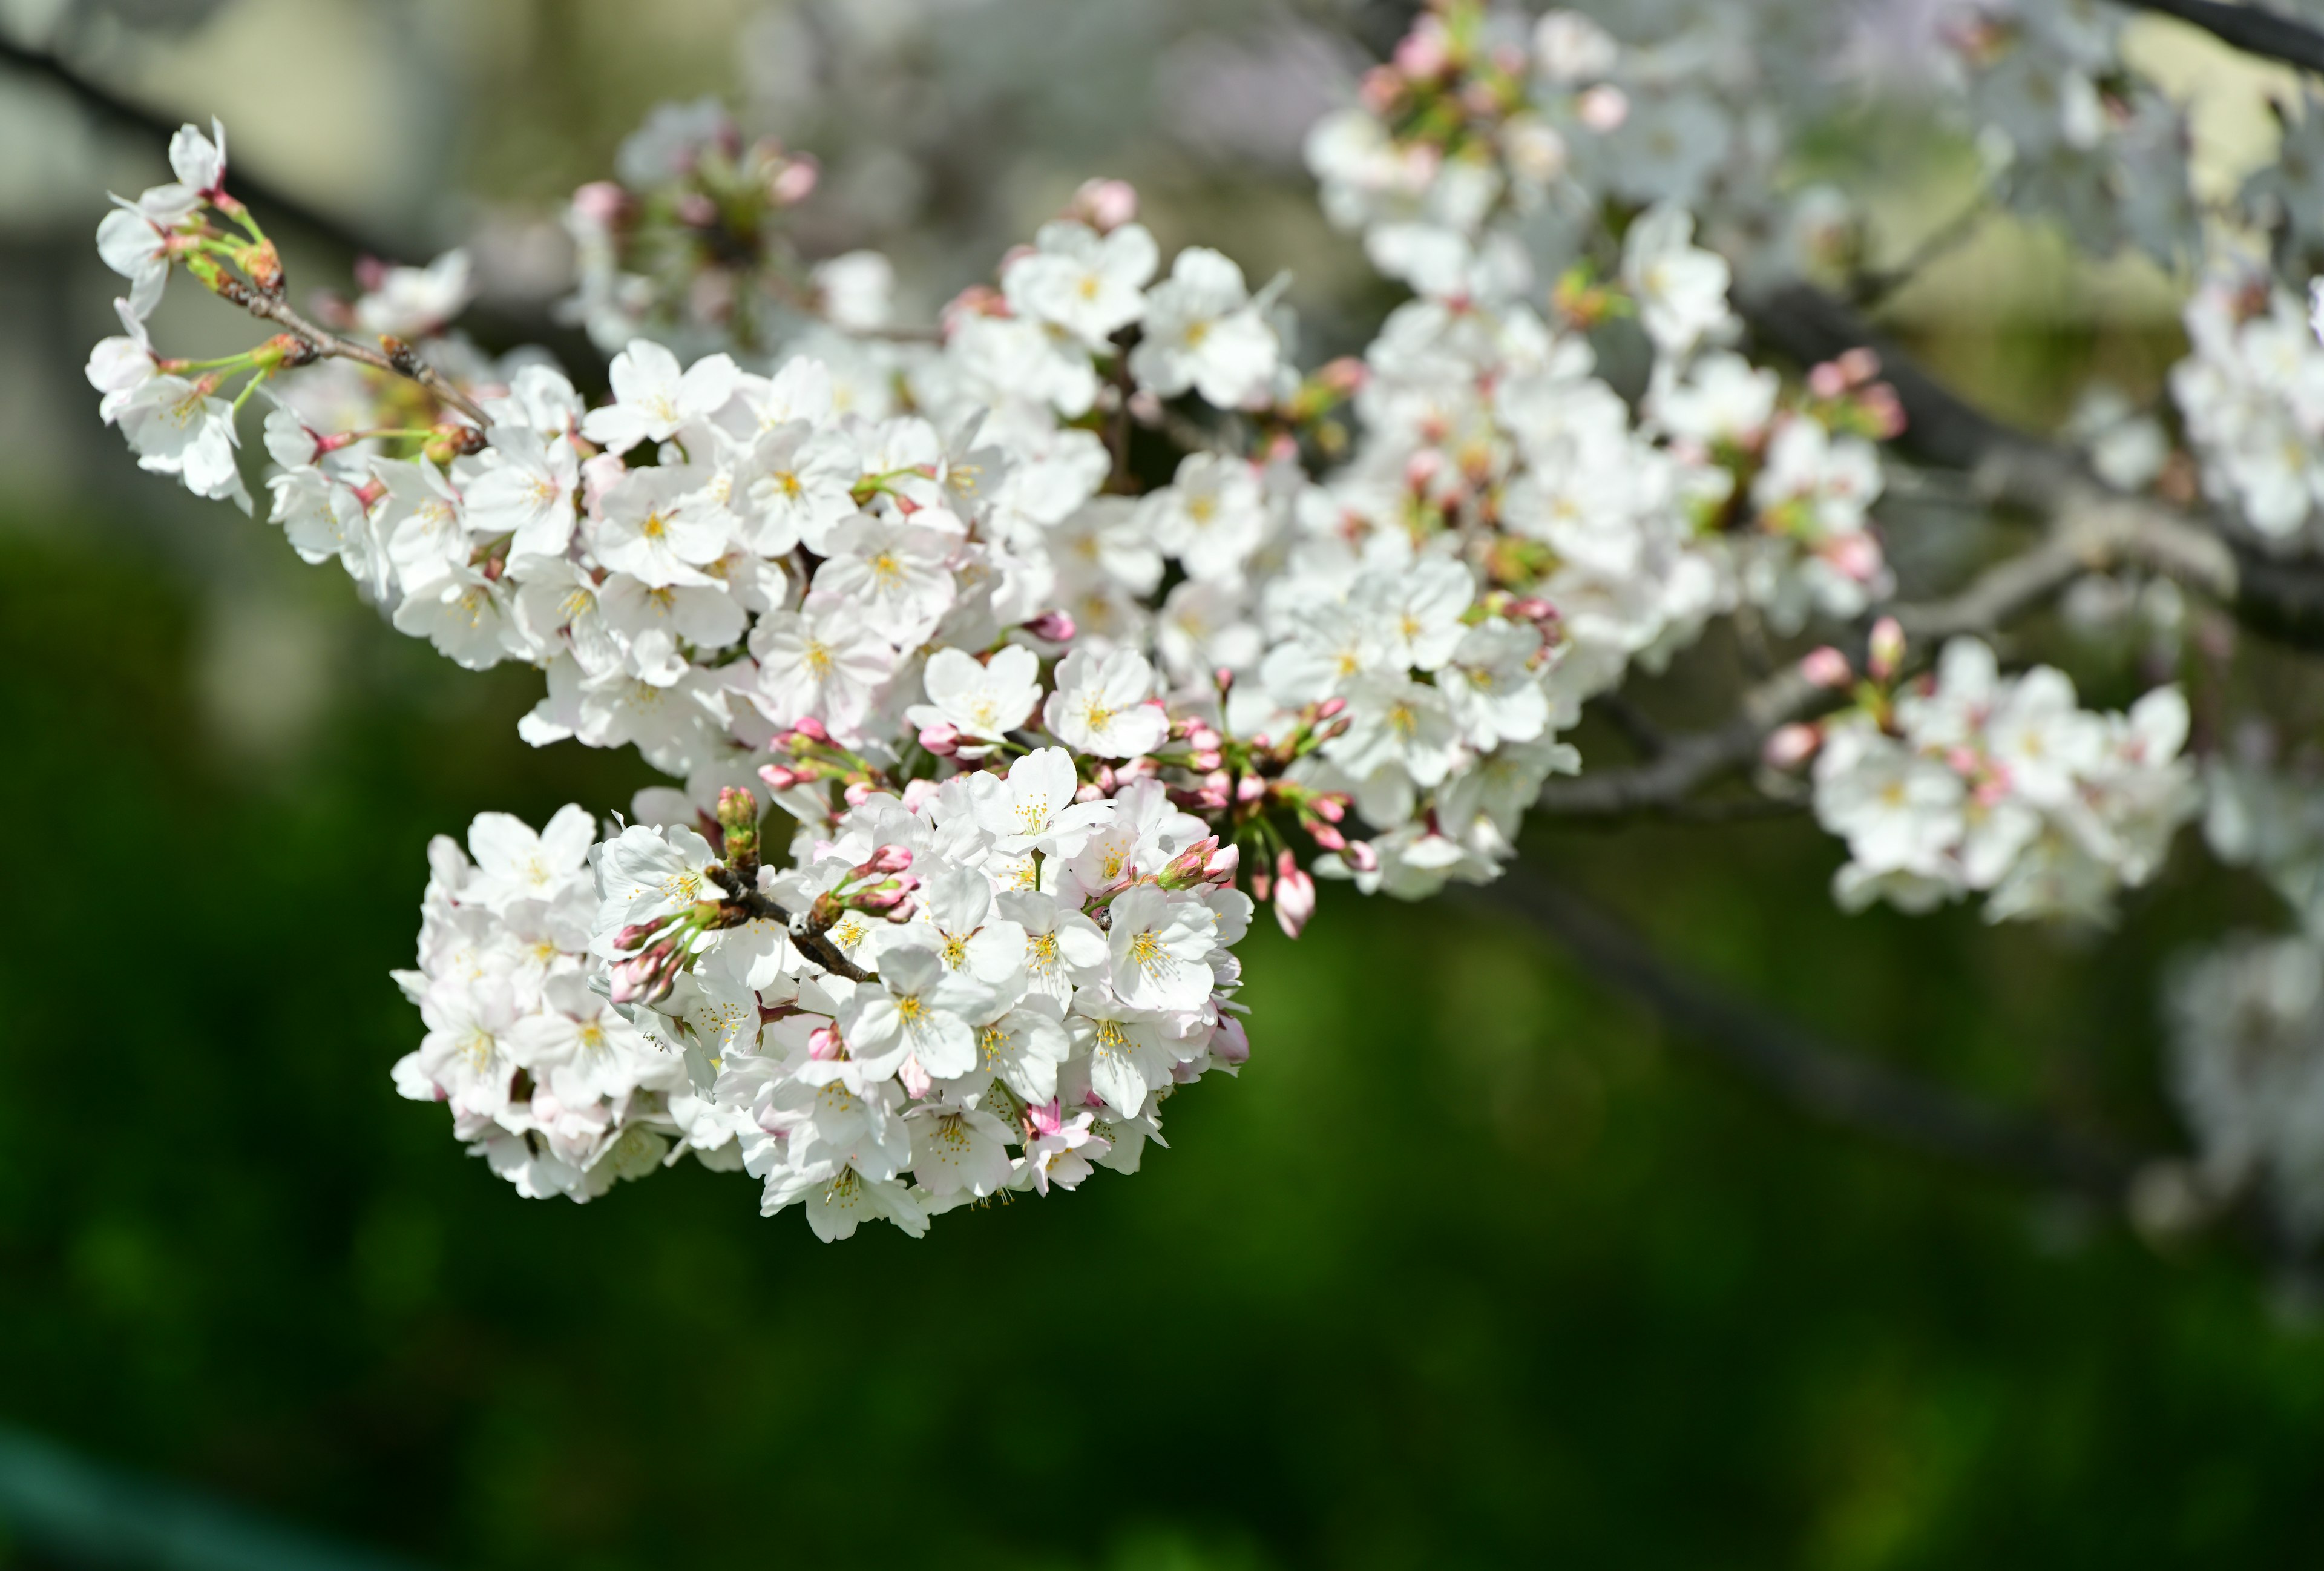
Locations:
598 475
1884 409
1328 838
1827 667
795 181
1330 809
1146 408
1047 1118
822 1043
1106 205
1224 678
1602 108
1827 379
1361 856
777 777
811 728
1888 648
886 859
858 792
1423 53
1790 746
1089 791
915 1079
943 740
1380 89
1859 366
1051 627
600 202
1250 787
1330 708
1856 556
1422 467
1231 1044
1294 895
1203 739
1189 867
1222 865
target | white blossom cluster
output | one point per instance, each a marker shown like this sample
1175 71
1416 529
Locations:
1971 781
2247 1068
2251 393
994 1037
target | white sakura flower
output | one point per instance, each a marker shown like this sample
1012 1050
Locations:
654 399
646 874
1680 289
1063 1149
178 427
797 483
659 625
464 614
1159 949
420 521
1898 812
1033 809
820 660
907 1015
1204 331
985 700
1212 516
525 490
514 863
1063 949
134 240
1396 722
416 302
956 907
119 366
1569 49
1490 685
1023 1048
2044 741
891 575
1083 282
959 1149
197 161
654 528
1127 1060
1419 611
1104 706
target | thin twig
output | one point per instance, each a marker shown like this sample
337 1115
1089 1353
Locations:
1841 1087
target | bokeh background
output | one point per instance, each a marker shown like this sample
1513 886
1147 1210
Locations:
1477 1264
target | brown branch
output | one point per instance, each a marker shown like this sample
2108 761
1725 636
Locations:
2252 29
1840 1087
811 941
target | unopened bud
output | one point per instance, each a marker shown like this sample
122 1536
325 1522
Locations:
1190 866
1294 895
777 777
1250 787
1225 677
1790 746
1859 366
886 859
1051 627
1887 650
1602 108
822 1043
1222 865
1106 205
1330 708
1362 856
1827 379
1328 838
809 727
858 792
943 740
795 181
1231 1044
1330 809
1827 667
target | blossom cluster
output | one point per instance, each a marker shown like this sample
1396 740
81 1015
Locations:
2251 393
978 988
2247 1069
1968 780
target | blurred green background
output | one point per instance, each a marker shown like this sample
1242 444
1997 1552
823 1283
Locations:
1474 1266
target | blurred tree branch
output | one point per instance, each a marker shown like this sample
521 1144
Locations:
1828 1083
2252 29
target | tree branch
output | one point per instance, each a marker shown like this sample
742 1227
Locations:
2252 29
1840 1087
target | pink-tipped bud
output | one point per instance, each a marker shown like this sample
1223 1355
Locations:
1331 809
943 740
1827 379
858 792
1106 205
1361 856
1231 1044
1602 108
1423 53
1250 787
1190 866
600 202
1222 865
1208 759
1051 627
1089 791
1379 89
1225 677
1261 883
916 1080
822 1043
1859 366
777 777
1827 667
1790 746
1203 739
1047 1118
886 859
795 181
1422 467
1883 410
811 728
1294 895
1331 708
1328 838
598 475
1854 556
1888 652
